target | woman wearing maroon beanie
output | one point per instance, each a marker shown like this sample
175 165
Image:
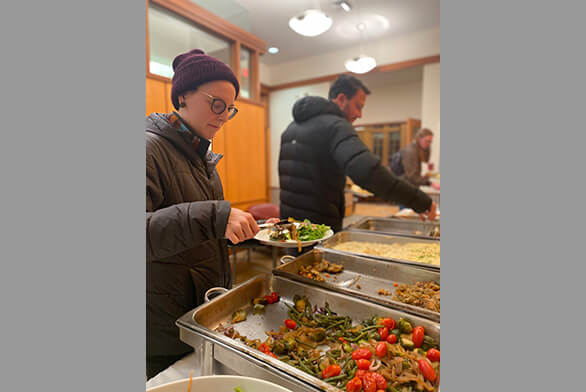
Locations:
188 222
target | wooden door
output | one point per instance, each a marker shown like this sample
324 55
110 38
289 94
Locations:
412 127
155 96
245 148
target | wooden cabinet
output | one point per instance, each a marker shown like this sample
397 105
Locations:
244 149
242 141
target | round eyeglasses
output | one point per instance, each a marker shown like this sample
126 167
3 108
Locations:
218 106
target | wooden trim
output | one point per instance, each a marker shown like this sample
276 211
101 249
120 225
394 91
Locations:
212 22
380 68
250 101
235 54
148 45
396 123
254 75
264 89
158 77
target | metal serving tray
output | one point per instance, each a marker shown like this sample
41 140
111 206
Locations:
219 353
368 274
347 236
396 226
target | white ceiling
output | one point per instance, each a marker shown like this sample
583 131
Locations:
269 20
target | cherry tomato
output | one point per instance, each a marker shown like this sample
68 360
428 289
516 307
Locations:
331 371
383 332
291 324
274 297
369 383
389 323
392 339
341 339
363 364
272 355
427 370
354 385
433 355
381 383
269 299
360 373
381 349
361 353
380 390
396 284
417 336
264 348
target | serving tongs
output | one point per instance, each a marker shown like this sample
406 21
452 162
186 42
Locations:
282 223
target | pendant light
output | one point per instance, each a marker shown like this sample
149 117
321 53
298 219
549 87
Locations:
362 63
311 23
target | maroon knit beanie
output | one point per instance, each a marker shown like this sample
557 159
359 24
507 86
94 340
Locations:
194 68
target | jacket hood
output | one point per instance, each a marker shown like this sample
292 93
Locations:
159 124
309 107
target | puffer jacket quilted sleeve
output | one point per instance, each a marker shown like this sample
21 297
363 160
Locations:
177 228
366 170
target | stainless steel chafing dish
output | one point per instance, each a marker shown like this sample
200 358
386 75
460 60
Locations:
219 354
361 277
395 226
347 236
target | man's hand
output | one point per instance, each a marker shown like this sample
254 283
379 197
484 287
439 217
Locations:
241 226
272 220
435 186
429 214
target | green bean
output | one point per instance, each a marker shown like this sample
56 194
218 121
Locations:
335 378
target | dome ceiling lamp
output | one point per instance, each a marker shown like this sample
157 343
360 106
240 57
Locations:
363 63
311 23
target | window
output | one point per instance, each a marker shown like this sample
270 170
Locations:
244 72
394 144
170 35
377 144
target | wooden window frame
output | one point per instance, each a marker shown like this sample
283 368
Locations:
215 25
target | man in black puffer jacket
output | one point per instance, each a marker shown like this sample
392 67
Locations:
320 148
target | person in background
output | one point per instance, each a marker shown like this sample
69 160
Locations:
320 148
188 222
417 152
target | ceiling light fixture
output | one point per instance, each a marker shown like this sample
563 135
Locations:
361 64
344 4
273 50
311 23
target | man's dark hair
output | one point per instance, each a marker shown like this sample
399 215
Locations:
347 85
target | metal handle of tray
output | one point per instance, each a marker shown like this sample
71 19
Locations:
214 290
287 258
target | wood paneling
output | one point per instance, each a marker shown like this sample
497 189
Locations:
155 96
244 142
170 107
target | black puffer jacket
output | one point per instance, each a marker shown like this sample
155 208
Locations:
186 218
318 150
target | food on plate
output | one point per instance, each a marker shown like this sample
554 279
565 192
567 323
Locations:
412 251
358 191
314 270
375 354
238 316
296 230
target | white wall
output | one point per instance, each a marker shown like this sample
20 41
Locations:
390 103
430 108
281 106
385 51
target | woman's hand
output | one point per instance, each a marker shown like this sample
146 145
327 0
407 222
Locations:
241 226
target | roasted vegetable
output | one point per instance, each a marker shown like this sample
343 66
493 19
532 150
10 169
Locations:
299 303
238 316
428 342
318 335
407 343
260 301
404 326
279 348
258 309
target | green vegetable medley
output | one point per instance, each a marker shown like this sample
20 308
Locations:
308 231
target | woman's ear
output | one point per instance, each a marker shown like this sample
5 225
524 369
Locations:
182 103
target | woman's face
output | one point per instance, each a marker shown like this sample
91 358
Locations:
425 142
198 112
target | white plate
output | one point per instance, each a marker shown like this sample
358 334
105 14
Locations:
220 384
263 237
